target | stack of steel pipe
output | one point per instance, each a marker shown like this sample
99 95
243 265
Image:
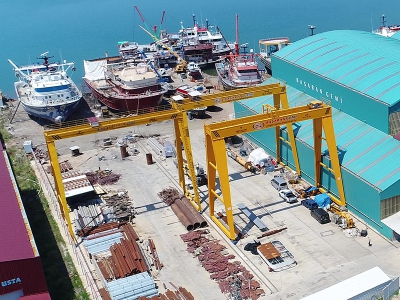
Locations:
156 146
199 218
182 217
183 209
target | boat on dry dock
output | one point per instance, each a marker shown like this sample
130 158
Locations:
268 47
206 34
123 85
45 90
238 70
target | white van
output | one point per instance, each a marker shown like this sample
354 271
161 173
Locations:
279 183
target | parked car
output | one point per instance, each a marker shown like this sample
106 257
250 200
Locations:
279 183
288 196
320 215
309 203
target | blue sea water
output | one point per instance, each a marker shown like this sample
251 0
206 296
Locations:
76 30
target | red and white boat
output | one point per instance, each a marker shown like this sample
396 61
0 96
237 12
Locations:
123 86
386 30
238 70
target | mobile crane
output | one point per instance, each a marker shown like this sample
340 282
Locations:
181 65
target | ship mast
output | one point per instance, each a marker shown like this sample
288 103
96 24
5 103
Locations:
237 35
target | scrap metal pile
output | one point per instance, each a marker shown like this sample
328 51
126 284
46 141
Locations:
65 166
120 204
102 177
183 209
40 154
210 254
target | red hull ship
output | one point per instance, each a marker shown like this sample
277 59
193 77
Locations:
123 86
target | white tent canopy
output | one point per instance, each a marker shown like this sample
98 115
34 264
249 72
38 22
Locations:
353 286
393 222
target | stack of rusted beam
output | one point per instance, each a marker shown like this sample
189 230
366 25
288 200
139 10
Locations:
183 209
65 166
98 229
126 257
39 154
180 294
156 260
219 265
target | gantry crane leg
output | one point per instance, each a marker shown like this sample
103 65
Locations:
182 134
62 201
179 155
281 100
219 162
317 131
327 125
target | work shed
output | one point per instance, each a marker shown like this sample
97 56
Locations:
21 273
348 70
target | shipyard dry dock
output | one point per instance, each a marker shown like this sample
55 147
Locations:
323 255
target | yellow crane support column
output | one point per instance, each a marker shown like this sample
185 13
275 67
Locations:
181 127
220 163
327 125
62 201
281 101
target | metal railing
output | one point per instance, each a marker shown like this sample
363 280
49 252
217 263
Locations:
50 194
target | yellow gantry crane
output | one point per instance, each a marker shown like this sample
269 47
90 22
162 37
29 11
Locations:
177 114
215 133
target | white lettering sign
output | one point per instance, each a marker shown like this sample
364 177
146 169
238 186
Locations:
10 282
315 88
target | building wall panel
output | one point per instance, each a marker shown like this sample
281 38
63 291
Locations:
349 101
26 274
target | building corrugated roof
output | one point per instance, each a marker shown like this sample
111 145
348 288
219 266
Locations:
366 62
15 243
366 149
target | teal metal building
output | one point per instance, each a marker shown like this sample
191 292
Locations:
358 73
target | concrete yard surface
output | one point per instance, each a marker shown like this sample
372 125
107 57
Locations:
324 254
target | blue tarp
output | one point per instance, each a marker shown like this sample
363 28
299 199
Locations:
311 189
323 200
